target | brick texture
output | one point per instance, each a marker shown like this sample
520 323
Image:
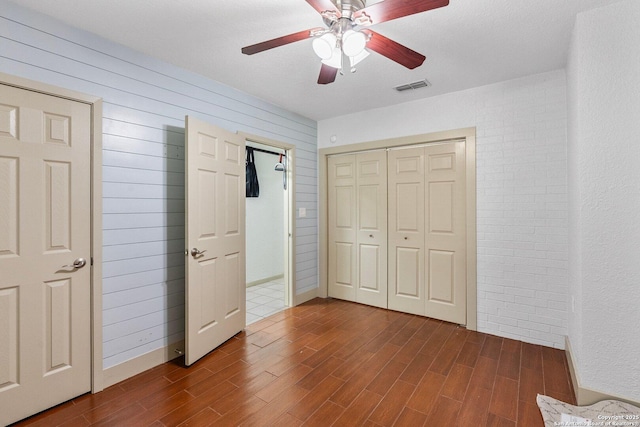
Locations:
522 209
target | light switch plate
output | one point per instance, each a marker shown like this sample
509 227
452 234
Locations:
302 212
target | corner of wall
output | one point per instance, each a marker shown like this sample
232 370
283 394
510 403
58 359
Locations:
586 396
137 365
602 270
574 303
305 296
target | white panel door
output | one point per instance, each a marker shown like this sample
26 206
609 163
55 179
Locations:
45 219
406 230
445 255
371 207
215 235
342 274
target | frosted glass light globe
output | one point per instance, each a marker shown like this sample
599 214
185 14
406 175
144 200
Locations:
353 42
324 45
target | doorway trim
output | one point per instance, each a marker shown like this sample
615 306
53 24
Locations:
290 197
96 209
469 135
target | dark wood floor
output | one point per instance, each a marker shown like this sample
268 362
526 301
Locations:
330 362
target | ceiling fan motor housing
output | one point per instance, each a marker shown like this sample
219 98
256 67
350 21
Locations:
346 7
349 7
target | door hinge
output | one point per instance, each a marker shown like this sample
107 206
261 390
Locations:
91 260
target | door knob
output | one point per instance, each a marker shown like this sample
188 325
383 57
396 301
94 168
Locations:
195 252
79 263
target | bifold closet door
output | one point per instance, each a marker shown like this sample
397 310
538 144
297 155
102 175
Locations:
371 206
427 232
397 229
406 230
358 228
445 262
342 227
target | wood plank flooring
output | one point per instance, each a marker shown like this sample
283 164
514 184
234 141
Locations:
330 362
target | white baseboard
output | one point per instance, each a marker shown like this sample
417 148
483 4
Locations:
128 369
587 396
265 280
305 296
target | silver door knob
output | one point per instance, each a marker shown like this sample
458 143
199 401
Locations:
195 252
79 263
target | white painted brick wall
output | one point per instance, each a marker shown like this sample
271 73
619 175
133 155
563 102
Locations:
522 212
522 209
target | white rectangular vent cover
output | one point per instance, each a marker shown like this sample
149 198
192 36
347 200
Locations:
414 85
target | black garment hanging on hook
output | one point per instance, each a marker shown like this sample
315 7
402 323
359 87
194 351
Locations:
253 188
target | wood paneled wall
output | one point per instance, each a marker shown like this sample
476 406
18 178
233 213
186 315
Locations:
145 101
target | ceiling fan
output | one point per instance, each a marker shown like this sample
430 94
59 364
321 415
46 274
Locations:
347 38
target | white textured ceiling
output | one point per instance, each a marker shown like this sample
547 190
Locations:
468 43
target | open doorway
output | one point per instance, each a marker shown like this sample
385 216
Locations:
269 231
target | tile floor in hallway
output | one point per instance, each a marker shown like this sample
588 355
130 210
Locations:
264 300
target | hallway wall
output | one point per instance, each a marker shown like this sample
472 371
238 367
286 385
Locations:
265 222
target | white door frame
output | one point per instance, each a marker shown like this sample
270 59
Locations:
96 209
290 229
469 135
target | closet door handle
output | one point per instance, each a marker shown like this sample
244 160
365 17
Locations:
406 238
371 235
195 252
79 263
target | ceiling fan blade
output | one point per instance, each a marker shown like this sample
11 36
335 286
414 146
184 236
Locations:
323 5
394 50
393 9
327 75
280 41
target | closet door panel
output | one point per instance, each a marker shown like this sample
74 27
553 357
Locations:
343 264
441 276
406 230
446 232
372 228
342 260
408 272
369 276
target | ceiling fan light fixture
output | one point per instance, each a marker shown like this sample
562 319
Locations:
353 42
335 60
325 45
342 42
354 60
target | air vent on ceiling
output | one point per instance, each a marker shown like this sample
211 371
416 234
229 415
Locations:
414 85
